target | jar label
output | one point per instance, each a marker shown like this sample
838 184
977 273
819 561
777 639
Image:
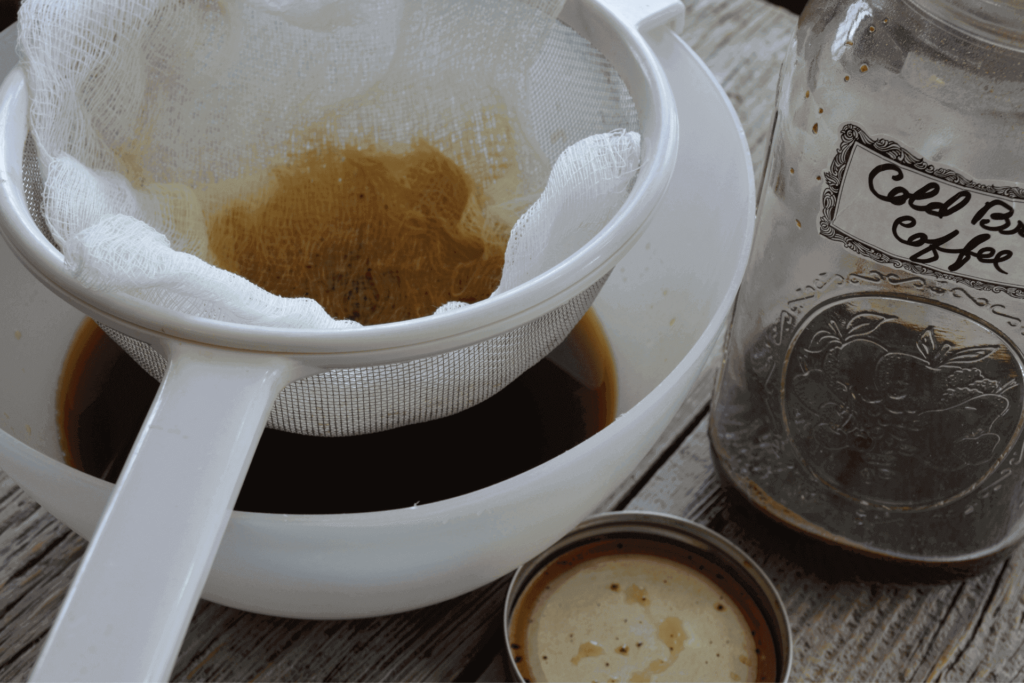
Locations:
893 207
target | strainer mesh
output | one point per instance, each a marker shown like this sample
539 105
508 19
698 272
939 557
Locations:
572 75
346 402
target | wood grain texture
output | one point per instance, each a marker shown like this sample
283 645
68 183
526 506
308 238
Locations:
38 558
435 643
743 42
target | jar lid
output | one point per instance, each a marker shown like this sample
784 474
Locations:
642 596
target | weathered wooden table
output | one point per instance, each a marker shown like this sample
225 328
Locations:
844 628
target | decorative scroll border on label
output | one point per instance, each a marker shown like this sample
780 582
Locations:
851 136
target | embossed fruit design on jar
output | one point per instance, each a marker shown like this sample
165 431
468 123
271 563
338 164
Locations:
873 389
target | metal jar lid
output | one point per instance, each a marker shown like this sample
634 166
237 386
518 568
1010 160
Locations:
668 530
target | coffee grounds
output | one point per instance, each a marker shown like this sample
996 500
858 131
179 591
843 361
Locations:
373 236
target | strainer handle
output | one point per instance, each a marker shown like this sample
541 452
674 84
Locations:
644 15
126 613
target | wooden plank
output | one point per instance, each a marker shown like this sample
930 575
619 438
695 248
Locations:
434 643
849 622
38 558
743 43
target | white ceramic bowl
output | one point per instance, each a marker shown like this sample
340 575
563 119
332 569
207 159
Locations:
662 309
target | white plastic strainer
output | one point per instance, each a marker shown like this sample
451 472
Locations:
222 380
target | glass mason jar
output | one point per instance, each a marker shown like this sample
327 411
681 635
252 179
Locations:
873 389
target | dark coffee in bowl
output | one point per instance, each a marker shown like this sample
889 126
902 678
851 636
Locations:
104 397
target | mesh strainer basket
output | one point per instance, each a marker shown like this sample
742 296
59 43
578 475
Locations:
222 381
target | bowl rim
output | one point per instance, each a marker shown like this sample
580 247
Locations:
630 419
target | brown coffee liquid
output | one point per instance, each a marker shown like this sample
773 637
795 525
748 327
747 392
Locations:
622 589
105 396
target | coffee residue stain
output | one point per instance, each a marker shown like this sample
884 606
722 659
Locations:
588 649
636 595
672 634
372 235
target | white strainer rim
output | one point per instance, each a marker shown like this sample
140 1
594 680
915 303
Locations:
390 342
